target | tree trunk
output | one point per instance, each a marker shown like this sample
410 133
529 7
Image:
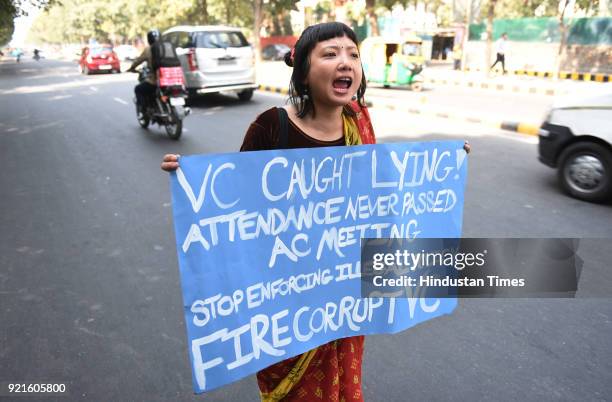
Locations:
203 12
258 14
370 4
277 24
228 12
466 36
287 28
563 39
490 16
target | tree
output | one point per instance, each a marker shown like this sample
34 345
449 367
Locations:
231 12
278 12
257 19
199 13
10 9
8 12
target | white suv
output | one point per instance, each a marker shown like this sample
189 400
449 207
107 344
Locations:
576 138
214 59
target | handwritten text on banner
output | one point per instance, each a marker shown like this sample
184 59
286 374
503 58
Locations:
269 246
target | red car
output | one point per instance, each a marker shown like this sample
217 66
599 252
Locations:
99 58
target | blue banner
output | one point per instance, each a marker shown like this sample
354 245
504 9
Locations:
269 246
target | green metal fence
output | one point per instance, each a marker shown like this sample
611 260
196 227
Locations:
582 31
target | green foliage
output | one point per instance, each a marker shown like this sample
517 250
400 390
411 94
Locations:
119 21
8 11
277 11
231 12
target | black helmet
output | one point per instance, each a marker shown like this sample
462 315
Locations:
152 36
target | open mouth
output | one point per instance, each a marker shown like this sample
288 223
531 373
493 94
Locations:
342 83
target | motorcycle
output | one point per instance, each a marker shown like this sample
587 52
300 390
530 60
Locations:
167 108
36 55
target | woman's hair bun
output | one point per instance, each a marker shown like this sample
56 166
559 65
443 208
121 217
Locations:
289 59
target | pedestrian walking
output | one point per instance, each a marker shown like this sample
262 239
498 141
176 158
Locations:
457 55
501 48
17 54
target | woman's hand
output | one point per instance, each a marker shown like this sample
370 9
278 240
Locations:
466 146
170 162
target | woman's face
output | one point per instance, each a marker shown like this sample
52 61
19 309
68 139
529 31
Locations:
335 71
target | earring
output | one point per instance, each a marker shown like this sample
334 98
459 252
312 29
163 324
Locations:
354 97
305 94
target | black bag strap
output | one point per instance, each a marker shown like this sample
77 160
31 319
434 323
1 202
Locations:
283 132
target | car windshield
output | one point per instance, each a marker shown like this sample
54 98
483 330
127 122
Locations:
214 40
95 51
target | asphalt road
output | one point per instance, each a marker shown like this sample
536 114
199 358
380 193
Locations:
89 284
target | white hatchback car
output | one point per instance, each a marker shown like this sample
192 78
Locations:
214 59
576 138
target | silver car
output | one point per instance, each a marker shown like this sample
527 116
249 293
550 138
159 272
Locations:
214 59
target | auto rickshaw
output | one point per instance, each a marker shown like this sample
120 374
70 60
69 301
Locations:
397 61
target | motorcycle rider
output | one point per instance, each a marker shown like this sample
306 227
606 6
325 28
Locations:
146 89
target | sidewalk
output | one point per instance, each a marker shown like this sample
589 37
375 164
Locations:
526 84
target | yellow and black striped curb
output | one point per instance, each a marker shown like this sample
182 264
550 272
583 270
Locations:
564 75
523 128
277 90
494 86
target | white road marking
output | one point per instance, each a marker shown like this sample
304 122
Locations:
120 101
94 89
58 97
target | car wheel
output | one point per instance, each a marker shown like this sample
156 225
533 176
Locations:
245 95
585 171
86 70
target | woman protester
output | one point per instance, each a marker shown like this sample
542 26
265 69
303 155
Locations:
326 108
